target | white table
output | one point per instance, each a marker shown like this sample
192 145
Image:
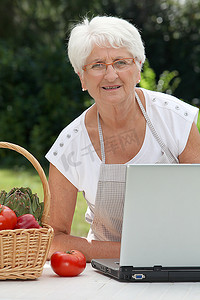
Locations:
93 285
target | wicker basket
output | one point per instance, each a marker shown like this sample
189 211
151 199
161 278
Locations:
23 252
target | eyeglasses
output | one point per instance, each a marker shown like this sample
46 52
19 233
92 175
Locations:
100 68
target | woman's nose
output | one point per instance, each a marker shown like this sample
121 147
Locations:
111 73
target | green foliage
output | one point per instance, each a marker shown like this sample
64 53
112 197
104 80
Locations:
169 28
39 96
39 92
148 77
167 82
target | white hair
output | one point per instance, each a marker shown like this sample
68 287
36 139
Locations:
104 32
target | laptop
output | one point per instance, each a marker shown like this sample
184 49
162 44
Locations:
161 226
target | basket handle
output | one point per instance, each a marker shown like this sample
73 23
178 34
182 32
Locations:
40 171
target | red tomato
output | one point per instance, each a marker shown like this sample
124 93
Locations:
68 264
8 218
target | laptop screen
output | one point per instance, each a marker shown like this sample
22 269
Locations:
161 224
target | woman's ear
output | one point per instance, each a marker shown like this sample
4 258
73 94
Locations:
82 82
139 77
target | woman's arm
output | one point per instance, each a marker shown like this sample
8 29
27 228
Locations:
191 153
63 202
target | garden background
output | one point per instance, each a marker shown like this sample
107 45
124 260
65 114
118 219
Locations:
39 92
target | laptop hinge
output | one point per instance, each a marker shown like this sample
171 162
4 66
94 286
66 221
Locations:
127 269
157 268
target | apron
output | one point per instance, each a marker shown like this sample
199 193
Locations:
109 203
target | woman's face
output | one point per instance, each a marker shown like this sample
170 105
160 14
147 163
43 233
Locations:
110 87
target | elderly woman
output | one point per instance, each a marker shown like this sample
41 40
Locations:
125 125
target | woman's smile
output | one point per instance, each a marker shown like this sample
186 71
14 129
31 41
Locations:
111 88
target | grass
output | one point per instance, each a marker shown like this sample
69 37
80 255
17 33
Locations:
26 178
79 226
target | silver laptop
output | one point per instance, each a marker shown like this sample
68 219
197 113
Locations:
161 225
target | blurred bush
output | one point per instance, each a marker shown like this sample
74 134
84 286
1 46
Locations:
167 82
39 96
39 92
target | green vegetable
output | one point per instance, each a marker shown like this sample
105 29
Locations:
22 201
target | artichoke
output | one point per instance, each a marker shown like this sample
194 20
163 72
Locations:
3 195
22 201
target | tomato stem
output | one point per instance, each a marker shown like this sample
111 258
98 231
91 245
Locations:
69 252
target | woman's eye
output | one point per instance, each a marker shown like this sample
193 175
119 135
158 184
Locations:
120 63
97 66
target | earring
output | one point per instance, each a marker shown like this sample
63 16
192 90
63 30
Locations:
83 90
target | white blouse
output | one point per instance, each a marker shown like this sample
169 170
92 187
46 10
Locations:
74 156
